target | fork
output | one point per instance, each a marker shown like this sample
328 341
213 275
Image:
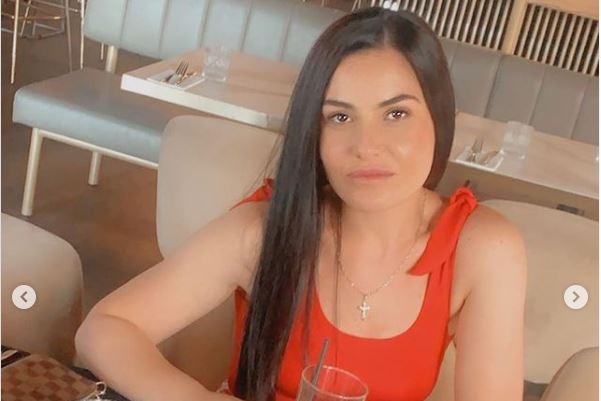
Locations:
488 157
179 71
475 150
168 77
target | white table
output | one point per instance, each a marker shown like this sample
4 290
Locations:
552 161
256 92
556 172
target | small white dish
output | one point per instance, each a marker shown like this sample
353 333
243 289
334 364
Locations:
492 165
185 84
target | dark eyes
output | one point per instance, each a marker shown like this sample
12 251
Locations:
397 114
341 118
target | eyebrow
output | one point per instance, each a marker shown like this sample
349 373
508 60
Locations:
393 100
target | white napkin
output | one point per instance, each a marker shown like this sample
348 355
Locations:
187 83
492 165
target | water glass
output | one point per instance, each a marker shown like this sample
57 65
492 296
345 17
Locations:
333 384
516 139
216 63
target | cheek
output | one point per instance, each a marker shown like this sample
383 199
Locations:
333 152
419 152
417 144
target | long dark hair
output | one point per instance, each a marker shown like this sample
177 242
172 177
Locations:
293 226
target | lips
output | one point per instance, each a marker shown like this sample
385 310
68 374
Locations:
371 174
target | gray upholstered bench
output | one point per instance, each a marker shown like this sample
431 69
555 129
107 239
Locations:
89 106
88 110
503 87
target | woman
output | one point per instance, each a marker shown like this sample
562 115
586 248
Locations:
349 238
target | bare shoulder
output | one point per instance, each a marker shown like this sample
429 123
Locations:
489 246
247 221
489 229
227 247
249 216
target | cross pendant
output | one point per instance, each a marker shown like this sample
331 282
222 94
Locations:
364 308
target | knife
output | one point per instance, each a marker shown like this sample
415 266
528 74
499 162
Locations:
488 157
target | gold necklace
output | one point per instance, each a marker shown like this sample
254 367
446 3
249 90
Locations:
364 307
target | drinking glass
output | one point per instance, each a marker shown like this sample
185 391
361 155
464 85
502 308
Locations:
516 139
333 384
216 63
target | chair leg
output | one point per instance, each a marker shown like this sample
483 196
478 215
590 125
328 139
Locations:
82 11
34 24
94 168
14 49
25 18
31 178
68 34
102 51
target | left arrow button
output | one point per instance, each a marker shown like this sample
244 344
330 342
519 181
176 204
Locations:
24 297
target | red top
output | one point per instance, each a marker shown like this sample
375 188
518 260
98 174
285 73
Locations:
401 368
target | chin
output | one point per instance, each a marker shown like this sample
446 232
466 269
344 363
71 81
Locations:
369 200
376 197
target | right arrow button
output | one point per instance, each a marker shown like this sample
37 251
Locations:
575 297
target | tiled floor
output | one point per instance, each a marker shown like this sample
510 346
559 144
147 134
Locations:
112 226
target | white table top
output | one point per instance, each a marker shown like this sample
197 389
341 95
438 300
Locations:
551 161
258 90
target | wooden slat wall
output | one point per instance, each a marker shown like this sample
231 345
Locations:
479 22
566 38
560 38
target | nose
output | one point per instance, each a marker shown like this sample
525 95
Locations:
368 141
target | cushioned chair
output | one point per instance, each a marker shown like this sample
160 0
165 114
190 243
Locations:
87 109
47 263
206 166
578 378
562 250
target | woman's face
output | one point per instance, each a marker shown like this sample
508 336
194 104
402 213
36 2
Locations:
377 142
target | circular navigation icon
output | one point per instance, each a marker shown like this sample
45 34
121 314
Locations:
575 297
24 297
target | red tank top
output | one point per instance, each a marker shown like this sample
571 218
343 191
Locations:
401 368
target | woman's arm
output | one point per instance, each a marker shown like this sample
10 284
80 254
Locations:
117 340
489 337
123 356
